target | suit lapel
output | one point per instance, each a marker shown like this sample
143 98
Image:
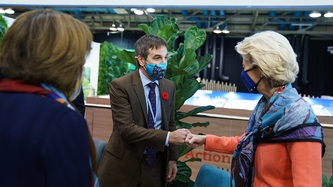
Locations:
138 88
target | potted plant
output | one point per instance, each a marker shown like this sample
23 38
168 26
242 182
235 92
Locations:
183 65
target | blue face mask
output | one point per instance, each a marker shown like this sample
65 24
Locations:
250 85
156 71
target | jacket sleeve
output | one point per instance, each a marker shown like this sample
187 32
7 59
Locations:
173 149
222 144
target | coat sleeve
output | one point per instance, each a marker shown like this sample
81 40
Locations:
173 149
222 144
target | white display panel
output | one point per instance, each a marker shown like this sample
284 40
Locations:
248 101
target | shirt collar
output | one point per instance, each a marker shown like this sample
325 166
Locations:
144 79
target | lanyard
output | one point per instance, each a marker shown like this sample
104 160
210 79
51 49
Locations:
151 109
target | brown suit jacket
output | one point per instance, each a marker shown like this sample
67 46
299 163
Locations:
123 153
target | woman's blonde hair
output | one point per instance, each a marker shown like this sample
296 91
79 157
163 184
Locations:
273 54
46 46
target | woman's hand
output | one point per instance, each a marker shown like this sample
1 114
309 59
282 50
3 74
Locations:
194 140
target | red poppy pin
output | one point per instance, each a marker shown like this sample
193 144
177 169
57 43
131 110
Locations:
165 95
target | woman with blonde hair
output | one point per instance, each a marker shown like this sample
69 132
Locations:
44 140
283 142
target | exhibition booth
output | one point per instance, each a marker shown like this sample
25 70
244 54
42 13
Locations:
229 118
232 109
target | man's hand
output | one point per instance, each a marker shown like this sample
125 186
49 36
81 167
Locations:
172 170
178 136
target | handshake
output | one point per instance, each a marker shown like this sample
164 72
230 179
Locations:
184 136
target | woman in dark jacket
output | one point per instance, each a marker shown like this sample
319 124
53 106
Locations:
43 140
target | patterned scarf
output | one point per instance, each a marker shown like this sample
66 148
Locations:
18 86
286 117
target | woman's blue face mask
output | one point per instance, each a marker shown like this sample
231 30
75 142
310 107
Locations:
156 71
250 85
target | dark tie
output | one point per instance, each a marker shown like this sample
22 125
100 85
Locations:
151 150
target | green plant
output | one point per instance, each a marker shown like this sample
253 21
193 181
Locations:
327 182
110 67
183 65
3 28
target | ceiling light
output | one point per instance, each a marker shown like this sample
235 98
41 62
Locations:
315 14
150 10
225 31
113 27
9 11
120 28
328 14
6 11
138 12
217 30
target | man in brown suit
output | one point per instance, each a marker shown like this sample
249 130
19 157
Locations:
125 159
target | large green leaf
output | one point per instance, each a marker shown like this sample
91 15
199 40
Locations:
194 111
160 22
204 61
327 182
189 61
186 88
145 28
166 33
183 125
157 24
193 160
165 28
127 56
173 72
201 124
180 53
173 64
194 38
324 181
330 184
172 39
183 149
